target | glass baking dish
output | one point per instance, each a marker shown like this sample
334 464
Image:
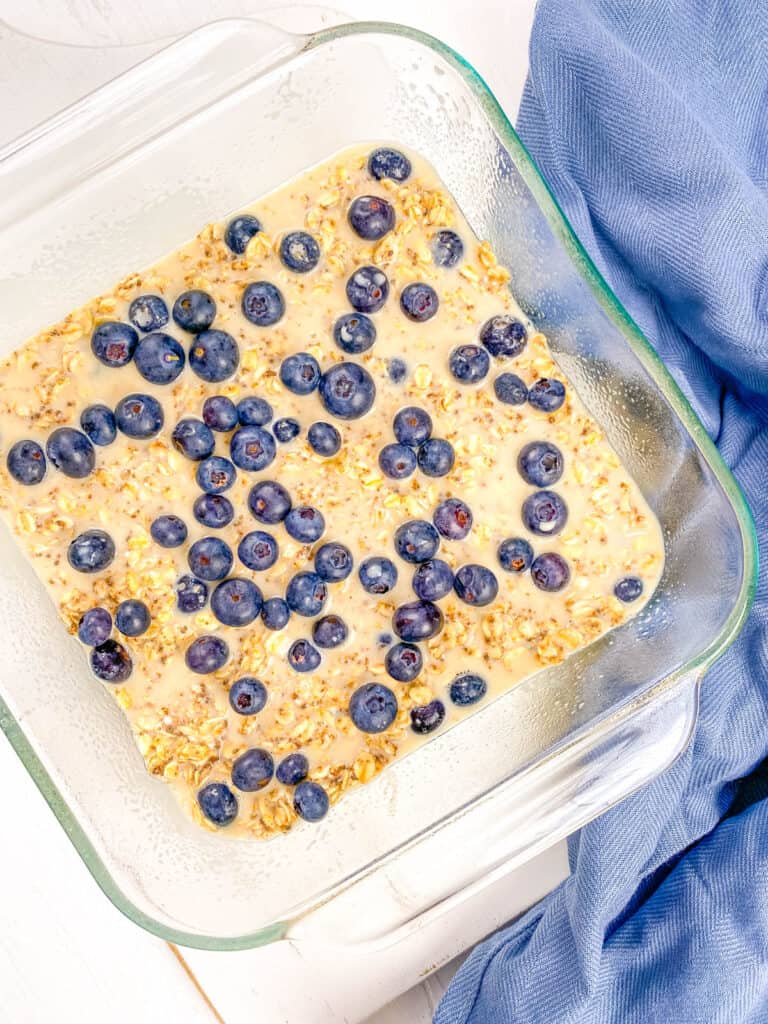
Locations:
119 179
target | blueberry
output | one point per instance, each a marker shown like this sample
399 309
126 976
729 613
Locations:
389 163
210 558
510 389
303 657
412 426
396 370
236 602
292 770
427 718
71 452
435 457
629 588
403 662
168 531
378 575
469 363
252 411
94 627
544 513
354 333
247 695
384 639
192 438
285 429
213 510
373 707
453 519
433 580
191 594
91 551
111 662
397 461
240 231
139 416
215 474
300 373
467 688
214 356
416 541
367 289
263 304
252 448
310 801
419 301
26 462
220 413
503 336
148 312
269 502
132 617
417 620
540 464
159 358
476 585
371 217
299 252
546 394
447 248
258 551
275 613
114 343
218 804
305 524
347 391
253 770
550 572
515 554
333 562
324 439
307 593
330 631
206 654
194 311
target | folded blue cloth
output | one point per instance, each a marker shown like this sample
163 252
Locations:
649 119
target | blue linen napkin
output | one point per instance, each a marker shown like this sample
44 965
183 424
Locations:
649 119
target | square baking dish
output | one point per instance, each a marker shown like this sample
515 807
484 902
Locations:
121 178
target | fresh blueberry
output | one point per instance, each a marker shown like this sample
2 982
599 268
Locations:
292 770
218 804
111 662
114 343
191 594
515 554
210 558
98 422
236 602
220 413
378 575
397 461
373 707
347 391
367 289
306 594
389 163
213 510
71 452
285 429
540 464
148 313
91 551
545 513
300 373
324 439
628 589
550 572
132 617
26 462
258 551
417 620
247 695
254 412
303 657
159 358
447 248
194 311
503 336
427 718
192 438
453 519
396 370
214 356
94 627
275 613
215 474
139 416
330 631
263 304
168 531
354 333
476 585
305 524
403 662
333 562
469 363
269 502
436 457
207 654
371 217
416 541
433 580
546 394
240 231
419 301
510 389
467 688
253 770
310 801
252 448
299 252
412 426
384 639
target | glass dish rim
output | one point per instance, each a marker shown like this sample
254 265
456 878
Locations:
640 346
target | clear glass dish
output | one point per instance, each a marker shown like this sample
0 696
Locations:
119 179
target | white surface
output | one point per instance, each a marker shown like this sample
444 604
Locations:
65 953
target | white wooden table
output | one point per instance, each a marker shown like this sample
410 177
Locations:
65 952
